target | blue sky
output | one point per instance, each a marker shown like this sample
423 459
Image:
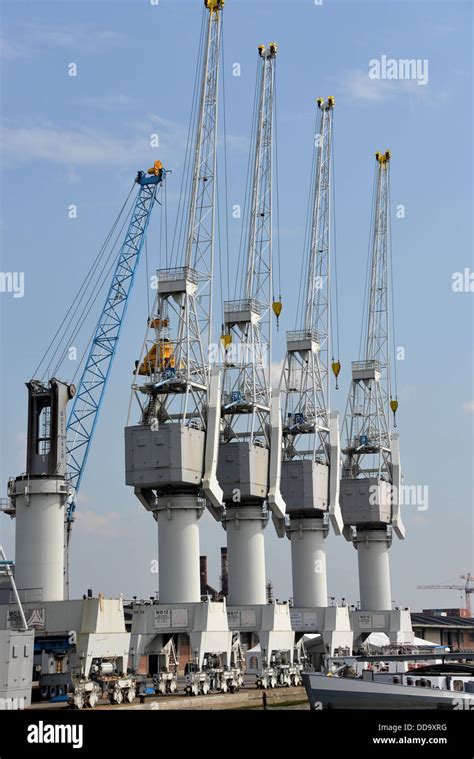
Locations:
79 140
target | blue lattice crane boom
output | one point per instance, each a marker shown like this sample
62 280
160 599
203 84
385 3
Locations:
92 385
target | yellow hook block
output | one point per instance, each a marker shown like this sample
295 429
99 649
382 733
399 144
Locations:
277 306
336 368
394 407
226 340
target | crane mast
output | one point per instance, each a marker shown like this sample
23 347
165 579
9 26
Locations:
310 466
370 483
243 459
165 452
247 322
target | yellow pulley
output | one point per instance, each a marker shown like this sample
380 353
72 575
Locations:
394 407
336 368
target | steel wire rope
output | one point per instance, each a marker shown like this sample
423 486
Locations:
334 247
307 235
65 342
277 193
83 285
226 185
390 258
247 198
88 305
188 160
365 303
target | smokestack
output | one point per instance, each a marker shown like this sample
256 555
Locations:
269 592
224 572
203 574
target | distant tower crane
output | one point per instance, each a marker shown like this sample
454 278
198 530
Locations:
468 588
370 484
244 450
311 453
165 452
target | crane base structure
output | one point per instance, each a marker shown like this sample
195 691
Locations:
16 647
71 637
200 627
396 624
333 623
271 624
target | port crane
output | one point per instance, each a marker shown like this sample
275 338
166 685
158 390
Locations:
165 452
310 468
90 392
244 445
370 483
61 448
468 589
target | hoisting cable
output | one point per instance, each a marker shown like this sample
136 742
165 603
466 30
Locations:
96 291
335 364
277 304
224 338
186 177
393 399
82 288
147 279
307 235
239 280
226 185
166 222
365 305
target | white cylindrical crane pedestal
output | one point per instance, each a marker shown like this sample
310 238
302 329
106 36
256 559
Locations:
308 561
374 569
246 554
39 537
178 548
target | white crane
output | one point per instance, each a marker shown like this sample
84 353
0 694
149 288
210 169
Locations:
244 448
165 451
311 454
371 478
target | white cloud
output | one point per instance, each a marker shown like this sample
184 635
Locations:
81 146
34 39
469 407
89 147
109 102
358 85
11 50
92 523
83 38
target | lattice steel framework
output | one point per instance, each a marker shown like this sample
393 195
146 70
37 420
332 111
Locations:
175 358
85 408
305 376
247 387
366 421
